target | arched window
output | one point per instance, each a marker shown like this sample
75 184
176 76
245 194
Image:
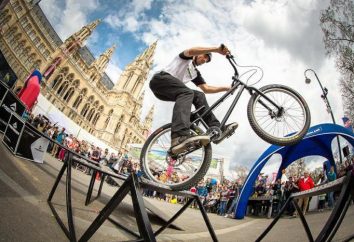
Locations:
56 82
24 53
87 106
119 124
11 34
30 60
18 46
79 98
97 115
108 118
61 90
68 94
36 64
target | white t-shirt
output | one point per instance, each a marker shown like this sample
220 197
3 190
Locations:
183 69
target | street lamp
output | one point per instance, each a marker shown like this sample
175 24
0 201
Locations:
328 106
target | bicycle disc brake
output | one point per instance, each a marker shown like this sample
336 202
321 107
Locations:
214 132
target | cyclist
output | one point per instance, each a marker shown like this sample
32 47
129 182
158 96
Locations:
169 85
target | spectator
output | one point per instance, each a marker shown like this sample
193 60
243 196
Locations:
224 197
60 139
331 176
305 183
202 191
322 197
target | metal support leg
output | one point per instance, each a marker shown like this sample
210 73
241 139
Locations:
60 175
340 219
206 219
303 220
68 199
103 177
90 188
169 222
275 220
107 210
336 212
141 216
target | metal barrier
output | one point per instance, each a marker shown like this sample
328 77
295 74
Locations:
346 187
131 184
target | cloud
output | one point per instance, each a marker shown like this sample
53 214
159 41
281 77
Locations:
70 17
283 37
131 18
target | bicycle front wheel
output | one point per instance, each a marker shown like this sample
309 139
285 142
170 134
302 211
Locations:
286 126
178 173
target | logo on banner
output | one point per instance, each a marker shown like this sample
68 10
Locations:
14 125
13 107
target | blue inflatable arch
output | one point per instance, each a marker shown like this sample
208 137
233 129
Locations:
317 141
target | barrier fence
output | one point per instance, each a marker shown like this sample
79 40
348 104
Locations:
346 187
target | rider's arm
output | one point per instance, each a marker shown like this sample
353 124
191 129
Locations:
211 89
204 50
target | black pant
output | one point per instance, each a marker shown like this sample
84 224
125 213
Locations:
168 88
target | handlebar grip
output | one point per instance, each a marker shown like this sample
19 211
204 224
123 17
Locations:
228 56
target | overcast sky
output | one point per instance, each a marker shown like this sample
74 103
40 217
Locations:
282 37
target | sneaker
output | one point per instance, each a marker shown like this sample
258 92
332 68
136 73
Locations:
227 131
180 144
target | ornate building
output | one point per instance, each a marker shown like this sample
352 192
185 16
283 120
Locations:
75 81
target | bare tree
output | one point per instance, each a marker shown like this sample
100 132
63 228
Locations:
337 23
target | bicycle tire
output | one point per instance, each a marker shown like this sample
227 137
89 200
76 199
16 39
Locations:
199 175
290 139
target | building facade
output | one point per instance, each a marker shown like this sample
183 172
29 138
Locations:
75 82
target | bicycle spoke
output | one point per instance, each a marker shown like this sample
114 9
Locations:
157 158
292 120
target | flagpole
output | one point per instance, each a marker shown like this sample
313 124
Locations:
328 106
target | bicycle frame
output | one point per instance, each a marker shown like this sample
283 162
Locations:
237 83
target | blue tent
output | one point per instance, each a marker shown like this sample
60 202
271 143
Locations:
317 141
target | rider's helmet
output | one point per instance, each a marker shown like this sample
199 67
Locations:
209 55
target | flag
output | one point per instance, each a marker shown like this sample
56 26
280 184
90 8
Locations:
347 123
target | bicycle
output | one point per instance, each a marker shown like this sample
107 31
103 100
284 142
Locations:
277 114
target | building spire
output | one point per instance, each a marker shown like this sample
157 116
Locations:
81 35
135 74
149 117
101 62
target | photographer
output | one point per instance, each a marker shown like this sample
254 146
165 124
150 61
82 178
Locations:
289 188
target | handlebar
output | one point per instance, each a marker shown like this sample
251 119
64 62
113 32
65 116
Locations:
234 65
232 61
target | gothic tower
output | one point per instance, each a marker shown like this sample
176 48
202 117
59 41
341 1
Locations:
97 67
135 73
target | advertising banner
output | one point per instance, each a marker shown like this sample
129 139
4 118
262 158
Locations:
13 132
10 104
32 145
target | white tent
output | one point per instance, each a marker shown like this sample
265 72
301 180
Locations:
57 117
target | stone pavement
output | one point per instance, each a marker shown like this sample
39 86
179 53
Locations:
26 216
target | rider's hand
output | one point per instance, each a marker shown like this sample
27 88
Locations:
223 50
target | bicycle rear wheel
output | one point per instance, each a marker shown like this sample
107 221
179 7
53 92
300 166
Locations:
178 173
286 127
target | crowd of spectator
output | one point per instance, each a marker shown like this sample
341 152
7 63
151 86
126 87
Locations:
279 191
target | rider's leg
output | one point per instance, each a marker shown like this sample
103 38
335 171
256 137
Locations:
168 88
199 100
